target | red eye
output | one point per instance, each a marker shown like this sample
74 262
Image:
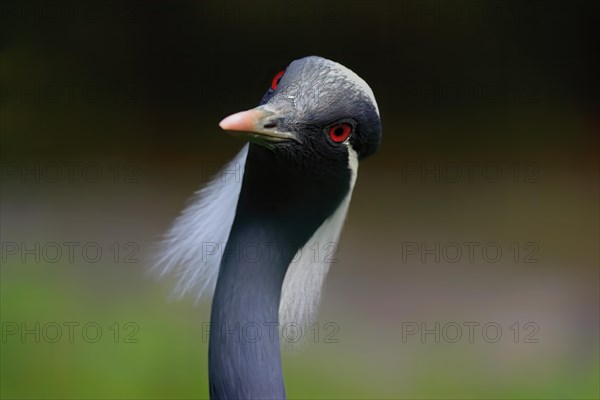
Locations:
276 79
340 132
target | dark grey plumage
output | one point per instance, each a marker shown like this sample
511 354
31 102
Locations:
306 137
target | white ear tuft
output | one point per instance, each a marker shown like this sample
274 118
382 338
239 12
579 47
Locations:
193 247
303 283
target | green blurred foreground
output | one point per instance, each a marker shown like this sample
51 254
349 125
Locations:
163 356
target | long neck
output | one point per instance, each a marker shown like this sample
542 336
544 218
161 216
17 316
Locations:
277 212
244 355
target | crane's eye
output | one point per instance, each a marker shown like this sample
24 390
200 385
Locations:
276 79
340 132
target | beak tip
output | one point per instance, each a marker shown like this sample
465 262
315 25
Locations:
230 122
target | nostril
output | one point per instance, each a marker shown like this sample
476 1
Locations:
270 125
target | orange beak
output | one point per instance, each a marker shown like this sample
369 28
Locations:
257 125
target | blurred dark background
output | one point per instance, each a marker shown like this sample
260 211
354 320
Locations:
109 113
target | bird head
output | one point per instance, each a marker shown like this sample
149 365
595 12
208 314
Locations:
315 122
314 110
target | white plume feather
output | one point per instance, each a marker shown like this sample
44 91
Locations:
193 246
303 283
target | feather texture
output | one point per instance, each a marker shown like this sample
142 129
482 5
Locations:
303 283
192 248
